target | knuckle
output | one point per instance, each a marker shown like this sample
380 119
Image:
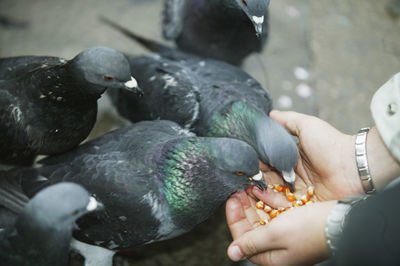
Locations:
249 247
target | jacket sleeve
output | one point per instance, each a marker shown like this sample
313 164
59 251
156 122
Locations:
385 109
371 235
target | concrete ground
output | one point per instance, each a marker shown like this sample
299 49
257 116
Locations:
324 57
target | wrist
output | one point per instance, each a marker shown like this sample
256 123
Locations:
350 171
382 166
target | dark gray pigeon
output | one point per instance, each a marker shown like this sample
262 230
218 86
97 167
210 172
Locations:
48 105
227 30
41 230
210 97
155 179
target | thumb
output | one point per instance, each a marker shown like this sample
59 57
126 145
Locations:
292 121
253 242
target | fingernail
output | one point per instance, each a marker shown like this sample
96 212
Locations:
235 253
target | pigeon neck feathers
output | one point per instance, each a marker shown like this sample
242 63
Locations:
193 183
184 164
237 120
244 121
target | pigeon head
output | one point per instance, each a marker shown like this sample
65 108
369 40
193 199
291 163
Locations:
255 10
45 225
58 206
275 146
104 68
199 174
236 162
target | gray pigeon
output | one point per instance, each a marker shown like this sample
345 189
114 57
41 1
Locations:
210 97
40 234
48 105
155 179
227 30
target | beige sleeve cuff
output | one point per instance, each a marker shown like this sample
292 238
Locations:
385 108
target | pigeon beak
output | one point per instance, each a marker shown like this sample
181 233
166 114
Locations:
289 178
258 181
132 86
258 25
94 205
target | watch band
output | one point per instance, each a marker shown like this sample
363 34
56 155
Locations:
362 161
334 225
337 219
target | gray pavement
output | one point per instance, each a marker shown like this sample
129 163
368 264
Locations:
324 57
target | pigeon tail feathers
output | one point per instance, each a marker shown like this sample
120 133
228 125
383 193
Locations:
147 43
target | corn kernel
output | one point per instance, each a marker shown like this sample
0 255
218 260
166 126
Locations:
260 205
310 202
273 213
267 208
279 188
287 191
304 199
271 186
281 209
311 191
297 203
262 222
288 208
290 197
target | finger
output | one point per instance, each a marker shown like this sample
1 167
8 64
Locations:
273 257
290 120
249 210
249 191
264 167
271 198
236 218
260 212
262 239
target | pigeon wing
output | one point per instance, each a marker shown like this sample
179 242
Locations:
13 67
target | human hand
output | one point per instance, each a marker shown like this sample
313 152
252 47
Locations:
327 158
295 237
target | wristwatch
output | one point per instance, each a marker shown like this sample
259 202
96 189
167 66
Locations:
337 219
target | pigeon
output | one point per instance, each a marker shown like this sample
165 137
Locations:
155 179
41 232
48 105
227 30
210 97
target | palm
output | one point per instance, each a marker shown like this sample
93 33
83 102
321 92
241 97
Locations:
327 161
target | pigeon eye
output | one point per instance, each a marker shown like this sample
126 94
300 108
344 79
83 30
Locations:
239 173
244 2
108 78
